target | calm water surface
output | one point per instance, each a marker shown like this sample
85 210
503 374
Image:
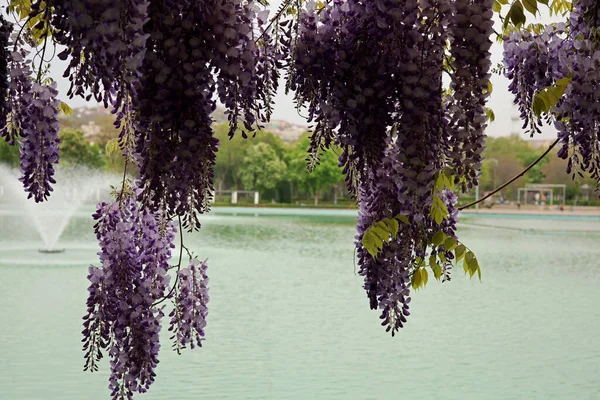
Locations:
289 319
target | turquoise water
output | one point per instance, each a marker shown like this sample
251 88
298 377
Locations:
289 320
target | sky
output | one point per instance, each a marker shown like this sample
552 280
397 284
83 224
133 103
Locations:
500 101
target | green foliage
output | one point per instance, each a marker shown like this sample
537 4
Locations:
546 99
9 155
438 210
516 18
76 150
381 232
261 168
505 157
325 173
65 109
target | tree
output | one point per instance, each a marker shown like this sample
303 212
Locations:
326 173
76 150
261 168
9 154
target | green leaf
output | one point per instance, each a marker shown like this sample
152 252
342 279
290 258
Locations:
515 15
471 260
416 279
459 252
490 87
402 218
531 6
538 105
442 257
438 238
545 100
372 243
392 226
497 6
424 276
437 271
381 233
432 261
489 113
450 243
112 146
65 109
438 210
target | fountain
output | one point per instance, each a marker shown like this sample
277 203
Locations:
75 186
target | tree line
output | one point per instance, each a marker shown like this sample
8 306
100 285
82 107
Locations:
277 170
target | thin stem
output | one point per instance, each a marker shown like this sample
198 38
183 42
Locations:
39 75
21 31
121 195
275 18
520 174
178 265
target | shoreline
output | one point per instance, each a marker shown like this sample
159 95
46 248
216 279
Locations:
579 211
501 209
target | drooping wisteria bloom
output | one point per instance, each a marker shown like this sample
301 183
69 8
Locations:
32 119
122 319
39 141
534 62
124 311
470 30
5 31
196 49
104 45
188 318
370 74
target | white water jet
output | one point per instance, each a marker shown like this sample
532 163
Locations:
74 187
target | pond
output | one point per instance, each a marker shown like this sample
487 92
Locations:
288 318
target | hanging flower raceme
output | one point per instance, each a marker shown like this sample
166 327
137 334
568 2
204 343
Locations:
123 314
562 61
388 274
33 121
346 67
190 44
5 31
105 45
469 31
534 62
371 75
39 141
188 317
578 114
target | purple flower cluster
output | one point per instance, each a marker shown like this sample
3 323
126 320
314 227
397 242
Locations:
33 121
470 30
188 317
533 62
5 31
39 140
195 49
387 277
536 61
578 113
370 74
105 45
121 314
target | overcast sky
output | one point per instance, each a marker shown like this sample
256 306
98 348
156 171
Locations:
501 101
